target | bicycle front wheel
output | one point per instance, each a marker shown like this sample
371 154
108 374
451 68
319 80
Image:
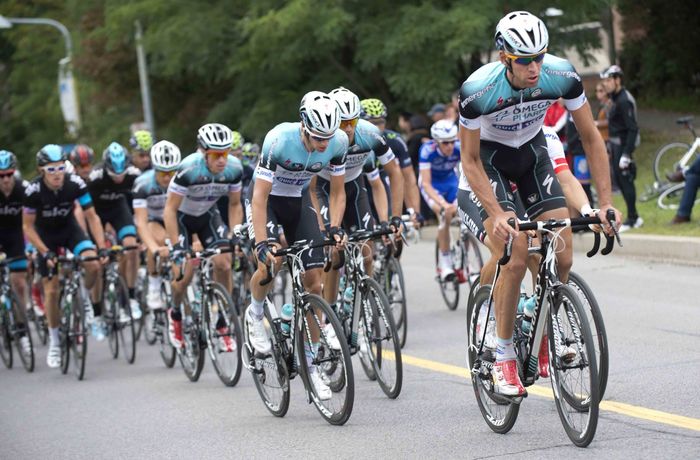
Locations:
192 353
574 372
500 413
78 336
223 332
21 330
334 366
5 338
667 159
124 324
395 289
671 197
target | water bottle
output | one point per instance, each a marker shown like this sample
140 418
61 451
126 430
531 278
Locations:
286 317
528 308
347 299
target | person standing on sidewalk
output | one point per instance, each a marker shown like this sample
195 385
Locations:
691 176
623 139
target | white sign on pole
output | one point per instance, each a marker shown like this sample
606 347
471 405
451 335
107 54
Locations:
68 97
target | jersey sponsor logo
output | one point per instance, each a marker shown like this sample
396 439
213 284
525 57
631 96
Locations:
56 212
8 210
316 167
477 95
536 92
532 198
500 100
365 220
33 187
563 73
324 212
112 196
548 181
77 180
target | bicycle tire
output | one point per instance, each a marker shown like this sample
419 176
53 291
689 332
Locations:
449 289
141 291
149 328
566 300
500 413
5 339
472 260
228 375
192 354
671 197
667 159
270 373
65 335
600 336
111 316
39 321
394 288
167 352
78 336
339 359
126 331
27 361
384 345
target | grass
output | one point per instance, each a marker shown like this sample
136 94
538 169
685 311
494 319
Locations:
656 220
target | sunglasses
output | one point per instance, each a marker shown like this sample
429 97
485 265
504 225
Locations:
316 138
54 169
526 60
218 154
7 174
345 123
165 174
447 142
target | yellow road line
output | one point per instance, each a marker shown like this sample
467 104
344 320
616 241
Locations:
629 410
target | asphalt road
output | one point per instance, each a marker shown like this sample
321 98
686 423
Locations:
651 409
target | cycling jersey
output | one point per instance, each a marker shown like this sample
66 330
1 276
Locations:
54 209
367 139
11 206
288 166
399 147
105 192
443 177
511 116
149 195
200 187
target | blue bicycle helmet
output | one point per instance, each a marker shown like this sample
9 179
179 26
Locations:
50 153
8 160
115 158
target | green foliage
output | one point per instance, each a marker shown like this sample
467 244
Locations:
245 63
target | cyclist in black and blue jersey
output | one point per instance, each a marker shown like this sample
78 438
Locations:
150 193
11 236
110 186
49 223
502 108
190 209
292 154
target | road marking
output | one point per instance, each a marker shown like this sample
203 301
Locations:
629 410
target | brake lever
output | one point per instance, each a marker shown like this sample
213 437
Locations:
596 245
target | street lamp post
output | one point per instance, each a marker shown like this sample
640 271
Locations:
68 96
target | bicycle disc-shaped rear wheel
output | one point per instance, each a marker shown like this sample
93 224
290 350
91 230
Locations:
5 338
270 372
226 360
500 413
449 287
595 321
78 337
329 362
574 379
395 289
126 328
192 354
668 158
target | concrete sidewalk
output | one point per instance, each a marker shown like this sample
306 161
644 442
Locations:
669 249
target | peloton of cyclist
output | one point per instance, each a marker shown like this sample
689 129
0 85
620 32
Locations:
502 107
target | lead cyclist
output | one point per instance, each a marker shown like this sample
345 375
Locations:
502 108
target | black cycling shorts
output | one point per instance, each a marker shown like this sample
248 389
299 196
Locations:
297 217
12 244
530 168
209 227
470 212
71 236
358 214
120 217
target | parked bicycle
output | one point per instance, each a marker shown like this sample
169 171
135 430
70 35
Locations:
574 376
14 326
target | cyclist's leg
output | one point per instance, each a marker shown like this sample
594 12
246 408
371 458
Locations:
157 231
358 215
185 225
12 244
214 234
275 204
123 222
330 279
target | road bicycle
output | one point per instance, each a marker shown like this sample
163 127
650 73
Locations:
574 377
121 329
155 328
14 327
292 341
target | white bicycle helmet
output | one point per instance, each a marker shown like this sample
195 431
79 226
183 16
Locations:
214 136
444 130
320 114
521 34
165 156
348 103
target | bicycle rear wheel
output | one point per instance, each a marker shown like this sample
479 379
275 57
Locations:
126 329
500 413
78 336
270 372
192 354
141 291
65 332
111 317
595 321
574 380
167 351
333 365
395 289
5 338
449 288
219 309
667 159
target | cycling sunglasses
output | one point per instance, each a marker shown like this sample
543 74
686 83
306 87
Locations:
165 174
316 138
54 169
526 60
7 174
345 123
447 142
218 154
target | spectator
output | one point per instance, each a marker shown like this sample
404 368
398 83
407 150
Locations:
623 138
692 182
602 116
405 124
437 112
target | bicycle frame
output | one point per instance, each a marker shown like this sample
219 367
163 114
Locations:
690 154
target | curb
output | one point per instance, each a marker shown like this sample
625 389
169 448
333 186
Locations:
679 250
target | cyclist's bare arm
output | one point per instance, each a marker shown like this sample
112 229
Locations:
315 203
141 220
28 221
235 210
261 192
426 182
380 199
336 201
393 170
95 225
172 204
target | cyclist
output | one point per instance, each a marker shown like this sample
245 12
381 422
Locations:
110 186
81 157
11 237
374 111
364 139
49 223
141 142
502 107
150 193
190 209
438 160
292 154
